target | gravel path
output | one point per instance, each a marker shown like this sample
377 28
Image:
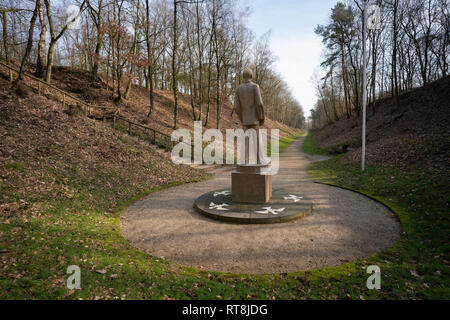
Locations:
344 226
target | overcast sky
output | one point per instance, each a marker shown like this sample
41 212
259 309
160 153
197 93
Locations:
293 40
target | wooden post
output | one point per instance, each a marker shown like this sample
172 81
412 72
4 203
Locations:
154 137
39 88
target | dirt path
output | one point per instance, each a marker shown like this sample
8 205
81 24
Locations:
344 226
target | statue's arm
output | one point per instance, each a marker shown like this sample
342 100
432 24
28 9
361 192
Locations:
259 106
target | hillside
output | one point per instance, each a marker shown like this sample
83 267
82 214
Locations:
63 181
46 153
136 107
415 135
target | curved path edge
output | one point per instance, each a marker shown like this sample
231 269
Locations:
344 226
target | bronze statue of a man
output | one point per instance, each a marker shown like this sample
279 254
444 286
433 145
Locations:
249 107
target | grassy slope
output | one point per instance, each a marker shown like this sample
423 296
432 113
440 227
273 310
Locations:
286 142
311 146
62 205
84 231
63 179
417 266
408 170
62 191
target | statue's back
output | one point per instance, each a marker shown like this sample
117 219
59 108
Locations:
248 97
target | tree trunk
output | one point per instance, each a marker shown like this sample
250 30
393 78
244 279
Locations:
200 64
374 70
48 72
5 42
394 56
96 58
218 106
150 60
209 82
216 51
344 79
133 50
174 70
191 69
19 79
42 45
54 38
336 117
98 45
119 66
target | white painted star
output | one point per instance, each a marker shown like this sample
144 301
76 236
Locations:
268 210
293 198
223 193
219 207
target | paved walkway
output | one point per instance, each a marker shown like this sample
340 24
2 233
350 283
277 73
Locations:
344 226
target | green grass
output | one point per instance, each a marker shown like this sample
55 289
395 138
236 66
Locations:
15 166
311 146
417 266
285 142
85 231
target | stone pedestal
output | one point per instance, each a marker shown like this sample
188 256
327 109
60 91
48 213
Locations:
284 206
252 184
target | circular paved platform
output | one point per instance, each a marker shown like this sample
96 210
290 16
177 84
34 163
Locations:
344 226
284 206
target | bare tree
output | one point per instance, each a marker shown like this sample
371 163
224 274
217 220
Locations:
55 37
42 45
26 56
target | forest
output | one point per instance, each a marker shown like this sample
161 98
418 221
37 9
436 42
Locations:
410 50
196 48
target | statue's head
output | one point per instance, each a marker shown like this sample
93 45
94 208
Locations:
248 74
